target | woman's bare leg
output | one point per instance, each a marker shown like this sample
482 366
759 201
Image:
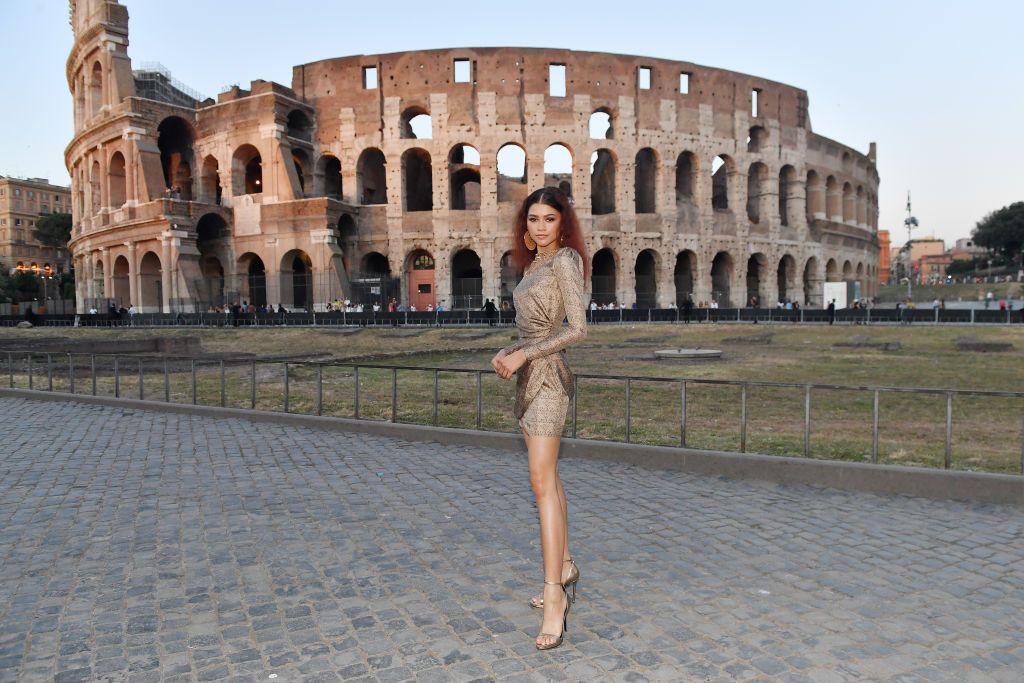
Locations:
543 461
566 555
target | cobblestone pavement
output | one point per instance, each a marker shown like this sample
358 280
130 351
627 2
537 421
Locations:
144 546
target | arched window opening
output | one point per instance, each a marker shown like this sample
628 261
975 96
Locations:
122 287
255 284
467 280
510 277
371 180
861 205
815 196
646 279
833 199
847 271
464 178
602 182
720 183
300 160
832 271
96 89
558 168
150 283
116 180
330 167
602 277
511 173
786 278
416 124
174 139
849 210
300 126
296 280
756 182
811 278
420 271
756 267
686 266
787 181
601 125
247 171
417 180
645 181
757 139
686 169
721 279
210 181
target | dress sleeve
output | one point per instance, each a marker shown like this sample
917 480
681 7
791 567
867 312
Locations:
515 346
568 269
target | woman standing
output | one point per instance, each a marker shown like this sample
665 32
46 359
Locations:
548 244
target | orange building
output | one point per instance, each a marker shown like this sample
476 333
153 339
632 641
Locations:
883 257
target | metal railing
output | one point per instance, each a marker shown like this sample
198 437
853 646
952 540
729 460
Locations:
178 378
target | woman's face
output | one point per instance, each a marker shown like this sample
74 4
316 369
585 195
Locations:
544 224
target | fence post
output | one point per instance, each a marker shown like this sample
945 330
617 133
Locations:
319 389
479 399
167 382
575 395
743 418
117 378
49 372
682 415
801 314
71 374
92 361
807 421
286 396
194 381
948 461
629 386
252 385
435 397
394 394
357 392
972 316
874 429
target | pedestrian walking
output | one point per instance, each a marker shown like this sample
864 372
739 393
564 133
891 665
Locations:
549 246
831 311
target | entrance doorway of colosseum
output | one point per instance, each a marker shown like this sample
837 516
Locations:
122 286
686 266
253 284
211 288
558 168
417 180
371 181
646 279
511 173
420 275
811 280
297 279
212 236
464 178
602 277
467 280
786 278
510 277
174 139
150 284
721 279
757 264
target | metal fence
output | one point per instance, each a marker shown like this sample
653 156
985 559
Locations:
371 391
475 316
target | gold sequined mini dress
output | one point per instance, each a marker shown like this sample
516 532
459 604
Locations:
551 290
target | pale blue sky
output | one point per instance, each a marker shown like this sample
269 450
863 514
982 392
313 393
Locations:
938 85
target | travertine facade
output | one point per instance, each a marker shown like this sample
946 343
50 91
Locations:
707 183
22 202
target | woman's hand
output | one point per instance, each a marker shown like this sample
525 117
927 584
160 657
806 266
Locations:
506 365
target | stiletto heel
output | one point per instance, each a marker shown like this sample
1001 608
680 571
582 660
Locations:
565 621
571 580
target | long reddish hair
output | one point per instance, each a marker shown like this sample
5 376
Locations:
569 232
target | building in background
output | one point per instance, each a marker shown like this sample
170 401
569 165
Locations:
884 254
966 250
22 202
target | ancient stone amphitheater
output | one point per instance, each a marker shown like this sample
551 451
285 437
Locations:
398 175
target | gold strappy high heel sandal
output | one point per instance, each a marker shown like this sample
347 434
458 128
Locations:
565 622
537 602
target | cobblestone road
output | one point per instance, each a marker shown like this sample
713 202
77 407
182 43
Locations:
142 546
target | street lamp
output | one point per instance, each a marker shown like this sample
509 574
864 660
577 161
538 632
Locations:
910 222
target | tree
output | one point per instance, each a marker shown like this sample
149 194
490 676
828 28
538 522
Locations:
53 230
1002 231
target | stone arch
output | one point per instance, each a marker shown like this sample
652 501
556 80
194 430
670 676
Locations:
757 181
645 181
510 275
684 275
175 138
721 279
645 275
246 171
815 196
786 278
299 125
558 162
602 276
150 284
787 184
116 180
95 88
417 180
847 271
420 269
833 199
812 278
849 208
329 168
861 207
757 267
686 177
511 159
371 180
722 168
303 172
121 281
297 279
464 178
860 273
601 124
467 280
602 182
209 184
253 284
832 271
416 124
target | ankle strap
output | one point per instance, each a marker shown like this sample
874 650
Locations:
553 583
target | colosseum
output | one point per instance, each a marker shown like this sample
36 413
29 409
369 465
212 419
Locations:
398 175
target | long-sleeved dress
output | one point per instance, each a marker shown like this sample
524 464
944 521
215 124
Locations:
551 290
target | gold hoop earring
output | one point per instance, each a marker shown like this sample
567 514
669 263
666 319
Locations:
528 241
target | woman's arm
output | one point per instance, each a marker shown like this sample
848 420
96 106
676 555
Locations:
568 269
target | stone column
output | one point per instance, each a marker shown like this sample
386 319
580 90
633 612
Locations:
134 289
108 273
165 273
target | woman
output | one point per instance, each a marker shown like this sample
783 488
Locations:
548 244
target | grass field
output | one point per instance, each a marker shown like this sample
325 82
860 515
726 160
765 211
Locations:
987 431
925 294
